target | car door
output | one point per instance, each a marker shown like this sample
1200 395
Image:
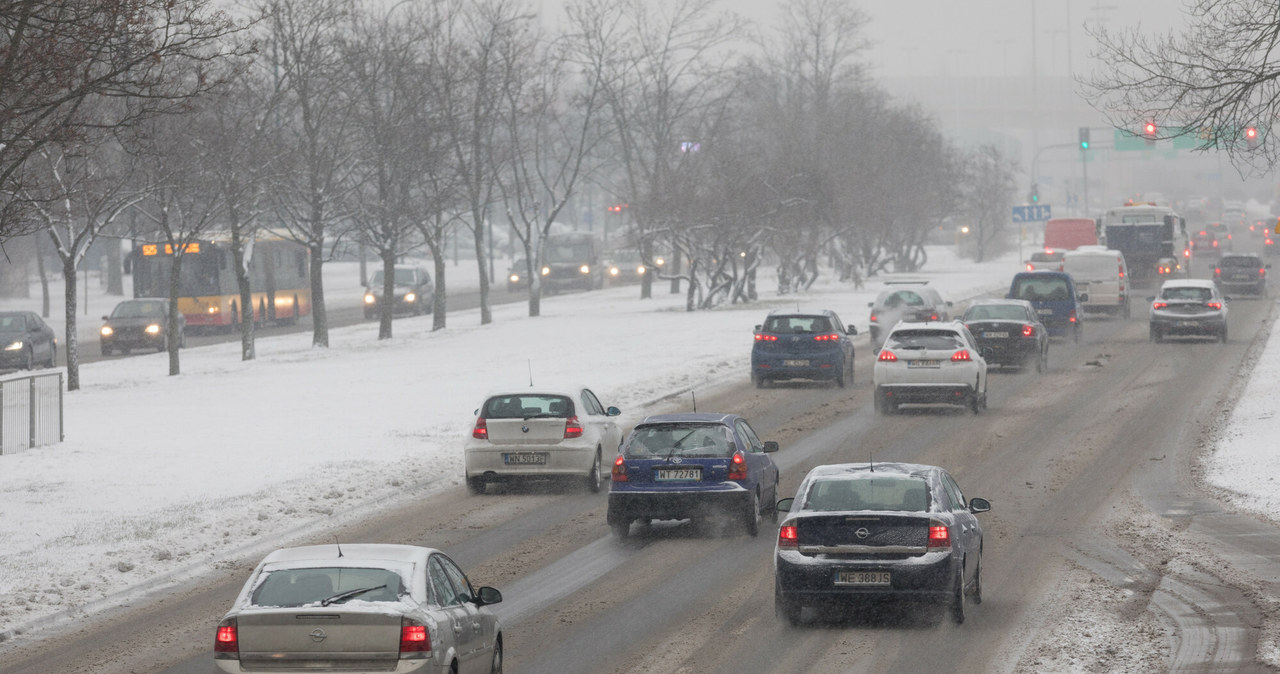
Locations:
41 337
479 627
458 626
606 429
846 341
977 358
759 462
970 535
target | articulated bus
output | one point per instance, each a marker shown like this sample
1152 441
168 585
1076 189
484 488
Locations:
208 295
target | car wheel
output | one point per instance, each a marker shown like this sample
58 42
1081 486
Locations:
593 477
30 362
976 592
786 608
106 350
1155 335
476 484
975 402
1222 335
762 381
840 377
495 665
125 350
752 514
621 529
53 356
1042 362
164 346
1075 334
957 598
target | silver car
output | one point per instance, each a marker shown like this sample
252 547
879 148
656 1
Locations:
360 608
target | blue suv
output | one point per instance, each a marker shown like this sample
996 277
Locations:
802 345
1054 296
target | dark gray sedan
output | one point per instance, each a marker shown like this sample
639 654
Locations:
1009 333
26 341
140 324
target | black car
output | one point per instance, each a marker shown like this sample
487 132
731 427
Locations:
141 323
26 341
518 275
412 292
858 532
1008 333
910 301
1241 273
802 345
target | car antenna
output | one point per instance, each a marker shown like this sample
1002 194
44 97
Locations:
694 395
335 542
871 462
530 373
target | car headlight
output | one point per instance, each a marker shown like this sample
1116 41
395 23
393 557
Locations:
546 270
107 331
370 299
153 329
514 278
585 269
410 297
15 346
640 270
660 262
614 271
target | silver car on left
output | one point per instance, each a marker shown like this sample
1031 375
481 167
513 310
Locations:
360 608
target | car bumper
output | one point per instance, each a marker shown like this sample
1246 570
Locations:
814 367
926 394
811 581
402 666
1010 352
1253 286
499 462
627 506
144 341
1187 325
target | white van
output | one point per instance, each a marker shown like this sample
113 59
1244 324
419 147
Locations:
1101 274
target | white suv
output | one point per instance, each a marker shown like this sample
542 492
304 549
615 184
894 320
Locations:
930 363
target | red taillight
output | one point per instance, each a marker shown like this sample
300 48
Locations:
1213 305
619 473
1262 272
788 537
1215 243
572 428
933 317
1030 267
1159 305
939 536
887 356
961 355
766 338
827 338
1186 252
873 316
1217 271
1072 317
1028 331
738 466
414 638
227 639
481 431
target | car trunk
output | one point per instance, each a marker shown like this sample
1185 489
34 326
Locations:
1187 308
864 535
542 431
661 472
995 329
319 639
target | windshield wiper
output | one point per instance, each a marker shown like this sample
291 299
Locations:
349 594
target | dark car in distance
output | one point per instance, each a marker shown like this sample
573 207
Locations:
141 323
802 345
26 341
860 532
910 301
1008 333
1241 273
412 291
693 466
1056 301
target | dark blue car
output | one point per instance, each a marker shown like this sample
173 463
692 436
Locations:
802 345
1054 296
693 466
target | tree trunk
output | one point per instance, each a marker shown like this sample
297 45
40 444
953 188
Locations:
71 348
115 271
248 349
439 302
171 329
486 316
44 277
388 308
319 316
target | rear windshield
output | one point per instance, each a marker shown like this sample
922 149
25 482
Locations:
799 325
924 339
527 406
996 312
909 494
1191 293
900 298
670 440
1046 257
1051 288
296 587
1247 262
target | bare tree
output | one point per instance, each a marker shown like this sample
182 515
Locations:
989 186
1215 79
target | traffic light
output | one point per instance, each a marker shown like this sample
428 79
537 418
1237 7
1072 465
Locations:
1251 137
1084 138
1034 195
1149 132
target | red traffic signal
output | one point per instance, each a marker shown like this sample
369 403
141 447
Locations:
1251 133
1149 129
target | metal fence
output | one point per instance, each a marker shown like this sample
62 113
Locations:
30 410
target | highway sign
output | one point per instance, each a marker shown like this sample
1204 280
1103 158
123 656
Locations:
1037 213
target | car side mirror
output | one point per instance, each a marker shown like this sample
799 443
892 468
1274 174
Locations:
488 595
1152 298
757 328
770 446
1084 297
871 304
784 506
612 411
107 317
1227 299
948 303
979 505
852 330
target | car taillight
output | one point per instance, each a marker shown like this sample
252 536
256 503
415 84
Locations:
887 356
873 316
961 355
619 473
933 317
939 536
788 537
1030 267
1213 305
766 338
414 637
1217 271
1262 272
227 640
1215 243
1072 317
481 431
738 466
833 337
1159 305
1028 331
572 428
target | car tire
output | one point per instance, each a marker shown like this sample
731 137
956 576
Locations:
1127 311
786 608
751 516
593 480
106 350
1042 362
975 402
957 598
1075 334
1222 334
762 381
621 529
976 592
125 350
476 485
1155 335
53 356
495 664
29 363
840 377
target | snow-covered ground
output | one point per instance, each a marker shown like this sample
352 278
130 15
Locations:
163 477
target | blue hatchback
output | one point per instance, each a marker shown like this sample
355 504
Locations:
691 466
802 345
1053 294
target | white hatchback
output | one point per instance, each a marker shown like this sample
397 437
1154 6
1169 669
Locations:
929 363
545 433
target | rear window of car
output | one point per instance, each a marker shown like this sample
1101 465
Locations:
919 338
1051 288
899 298
906 494
996 312
1247 262
1046 257
1187 293
527 406
687 440
800 325
298 587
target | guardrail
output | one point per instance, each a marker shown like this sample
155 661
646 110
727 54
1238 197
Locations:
30 409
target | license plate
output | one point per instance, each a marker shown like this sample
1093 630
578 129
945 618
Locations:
525 459
862 578
1045 312
677 474
795 363
1186 324
1000 335
924 363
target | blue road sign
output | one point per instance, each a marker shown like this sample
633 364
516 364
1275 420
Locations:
1037 213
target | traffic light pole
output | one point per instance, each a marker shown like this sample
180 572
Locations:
1084 165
